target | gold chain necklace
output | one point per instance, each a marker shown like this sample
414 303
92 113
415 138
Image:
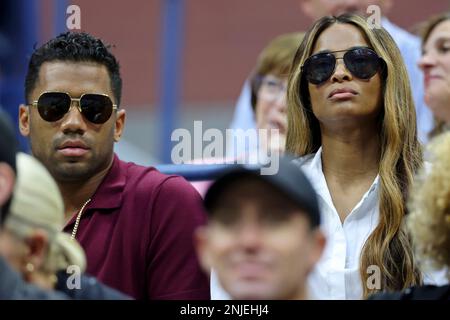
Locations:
77 221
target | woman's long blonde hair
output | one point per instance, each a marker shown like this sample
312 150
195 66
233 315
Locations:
429 206
388 247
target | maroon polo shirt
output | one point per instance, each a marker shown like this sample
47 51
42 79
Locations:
137 233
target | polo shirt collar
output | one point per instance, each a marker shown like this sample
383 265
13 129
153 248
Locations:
109 192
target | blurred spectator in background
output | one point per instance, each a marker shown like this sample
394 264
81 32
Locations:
263 236
269 86
267 97
429 206
352 123
429 221
33 243
5 50
435 64
135 224
268 104
408 44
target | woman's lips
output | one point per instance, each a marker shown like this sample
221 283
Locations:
342 94
430 78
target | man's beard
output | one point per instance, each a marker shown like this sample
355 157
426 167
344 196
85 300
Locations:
74 172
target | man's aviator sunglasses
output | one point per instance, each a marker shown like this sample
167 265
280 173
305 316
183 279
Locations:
362 62
96 108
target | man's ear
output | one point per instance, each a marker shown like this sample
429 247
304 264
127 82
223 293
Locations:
24 120
319 242
119 124
7 179
202 248
37 243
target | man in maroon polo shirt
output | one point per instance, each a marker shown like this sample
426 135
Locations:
135 224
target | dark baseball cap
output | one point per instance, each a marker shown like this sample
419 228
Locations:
289 180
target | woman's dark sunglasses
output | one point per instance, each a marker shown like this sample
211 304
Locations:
362 62
96 108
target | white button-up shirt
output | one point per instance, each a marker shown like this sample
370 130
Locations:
336 275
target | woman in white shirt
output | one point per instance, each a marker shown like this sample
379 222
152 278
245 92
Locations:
351 120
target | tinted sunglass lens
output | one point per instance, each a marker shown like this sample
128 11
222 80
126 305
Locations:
362 63
52 106
320 67
96 108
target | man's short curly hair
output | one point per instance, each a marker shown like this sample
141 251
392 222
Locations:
429 205
74 47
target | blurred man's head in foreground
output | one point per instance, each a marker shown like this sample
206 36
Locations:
263 236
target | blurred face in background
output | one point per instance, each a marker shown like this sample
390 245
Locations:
260 244
316 9
435 64
271 108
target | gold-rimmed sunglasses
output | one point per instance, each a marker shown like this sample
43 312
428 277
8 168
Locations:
95 107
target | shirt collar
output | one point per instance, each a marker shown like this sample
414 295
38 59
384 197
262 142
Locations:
320 184
109 192
316 170
316 165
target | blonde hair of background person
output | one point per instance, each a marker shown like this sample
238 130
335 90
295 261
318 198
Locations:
268 88
426 30
32 241
388 247
429 205
276 58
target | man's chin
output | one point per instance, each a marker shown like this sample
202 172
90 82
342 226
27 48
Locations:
72 171
252 291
